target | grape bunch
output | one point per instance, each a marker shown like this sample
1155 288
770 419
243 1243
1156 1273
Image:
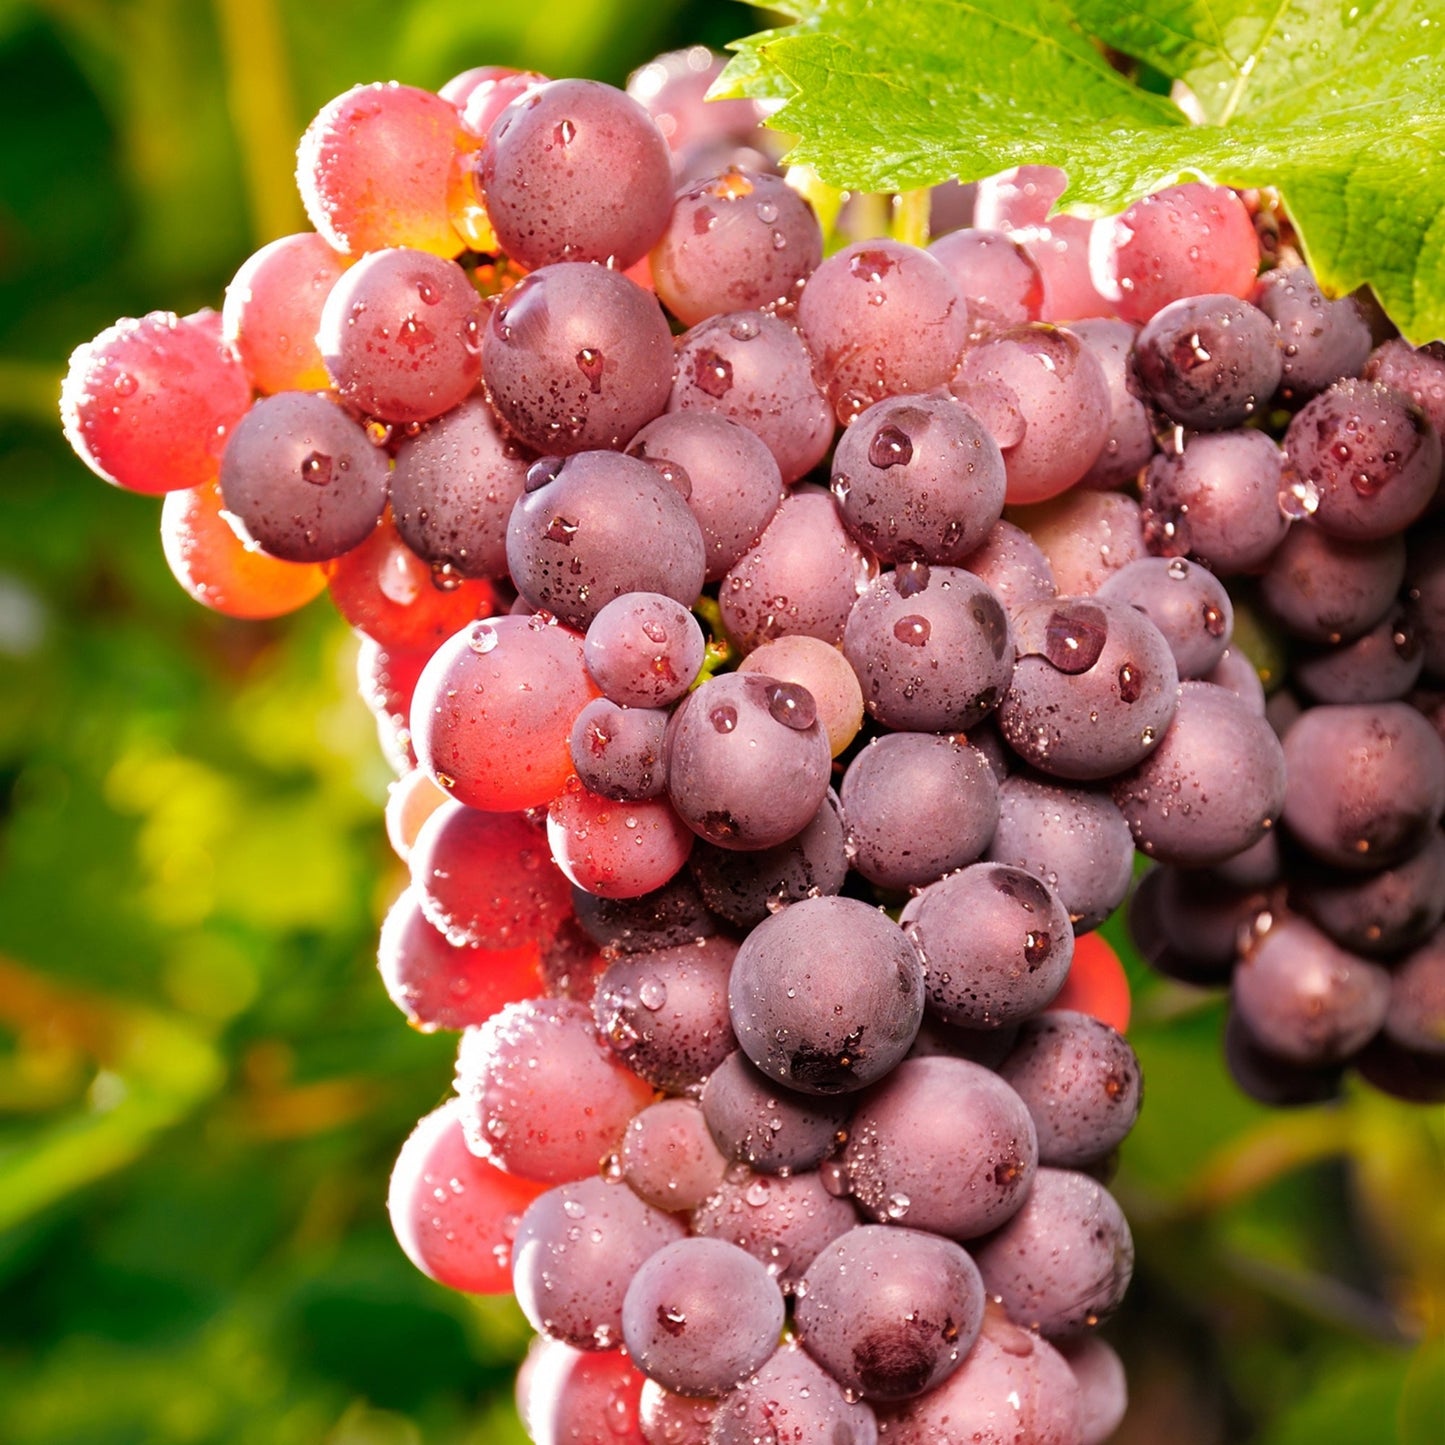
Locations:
783 657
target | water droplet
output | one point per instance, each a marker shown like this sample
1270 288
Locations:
591 364
561 529
1178 569
898 1205
124 384
1131 682
712 374
316 469
542 471
652 993
911 579
913 630
482 638
792 704
1074 636
891 447
724 717
566 132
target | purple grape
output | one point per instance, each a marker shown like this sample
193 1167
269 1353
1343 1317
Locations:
747 761
1235 672
1327 589
783 1222
826 995
644 649
918 478
1212 787
1380 665
931 647
1103 1389
454 487
577 1249
668 916
890 1312
734 483
1093 690
881 319
1188 604
665 1012
1044 396
1086 535
1425 584
1319 340
668 1419
1074 839
1415 1018
801 577
700 1316
736 241
1304 998
1370 457
1081 1083
577 356
1378 913
574 170
594 526
757 1122
668 1158
400 334
745 888
999 281
1419 374
1409 1074
301 478
1013 565
1130 442
1218 499
754 369
1366 783
791 1399
1210 361
1198 917
618 751
996 944
917 806
941 1144
1064 1260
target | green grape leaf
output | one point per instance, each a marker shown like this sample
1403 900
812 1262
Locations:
1338 103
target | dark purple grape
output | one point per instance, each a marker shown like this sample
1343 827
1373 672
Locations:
791 1399
1013 565
1081 1083
1319 340
1093 690
1043 395
931 647
745 888
301 478
881 318
596 525
1415 1018
700 1316
1327 589
1235 672
618 751
827 995
1378 913
754 369
644 649
1074 839
919 478
1130 442
999 281
1197 917
577 356
1210 361
1220 499
453 489
782 1221
1012 1387
996 944
917 806
1271 1079
801 577
734 485
1419 374
890 1312
1366 783
1370 457
989 1047
577 1249
574 170
1064 1260
401 335
747 761
665 1012
668 1158
1409 1074
757 1122
1425 584
1212 787
664 918
1188 604
941 1144
736 241
1304 998
1380 665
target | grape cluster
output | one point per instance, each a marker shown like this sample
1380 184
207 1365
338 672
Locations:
782 658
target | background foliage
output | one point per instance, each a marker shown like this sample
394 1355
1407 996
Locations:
202 1083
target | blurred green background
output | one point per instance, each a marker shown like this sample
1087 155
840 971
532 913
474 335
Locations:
202 1083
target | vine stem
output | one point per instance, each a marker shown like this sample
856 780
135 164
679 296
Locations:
910 217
